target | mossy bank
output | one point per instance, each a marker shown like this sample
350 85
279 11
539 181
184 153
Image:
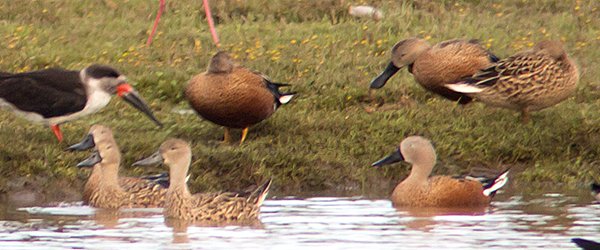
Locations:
324 139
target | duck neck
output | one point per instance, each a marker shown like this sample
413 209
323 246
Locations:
96 174
110 174
177 173
420 172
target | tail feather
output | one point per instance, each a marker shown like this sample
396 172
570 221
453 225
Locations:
260 194
497 183
595 188
280 97
162 179
280 84
493 58
476 83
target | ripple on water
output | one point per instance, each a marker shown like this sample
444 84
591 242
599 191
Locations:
324 222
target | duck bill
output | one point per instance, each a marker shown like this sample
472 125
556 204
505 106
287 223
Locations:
90 161
155 158
85 144
394 157
382 78
131 96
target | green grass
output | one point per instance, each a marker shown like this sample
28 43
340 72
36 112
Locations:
324 141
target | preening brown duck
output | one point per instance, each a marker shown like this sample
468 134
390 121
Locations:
437 65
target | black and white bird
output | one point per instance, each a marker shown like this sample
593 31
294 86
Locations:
54 96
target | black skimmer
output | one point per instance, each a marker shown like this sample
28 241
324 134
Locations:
54 96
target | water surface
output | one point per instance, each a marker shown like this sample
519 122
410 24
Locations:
512 221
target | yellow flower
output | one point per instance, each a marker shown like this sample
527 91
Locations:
293 41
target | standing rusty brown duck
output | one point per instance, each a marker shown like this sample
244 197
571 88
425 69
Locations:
220 207
434 66
527 81
104 188
233 96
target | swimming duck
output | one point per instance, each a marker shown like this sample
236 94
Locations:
104 187
233 96
528 81
434 66
420 190
220 207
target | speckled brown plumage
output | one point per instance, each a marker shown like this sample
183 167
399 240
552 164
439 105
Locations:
129 184
233 96
434 66
420 190
211 207
106 189
221 207
528 81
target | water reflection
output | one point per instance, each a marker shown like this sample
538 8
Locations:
108 218
513 221
424 218
179 227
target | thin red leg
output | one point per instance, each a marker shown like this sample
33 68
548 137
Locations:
57 132
161 8
211 23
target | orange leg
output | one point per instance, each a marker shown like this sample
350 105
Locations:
244 134
227 136
57 132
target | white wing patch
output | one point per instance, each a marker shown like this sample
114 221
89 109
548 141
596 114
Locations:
285 99
463 88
